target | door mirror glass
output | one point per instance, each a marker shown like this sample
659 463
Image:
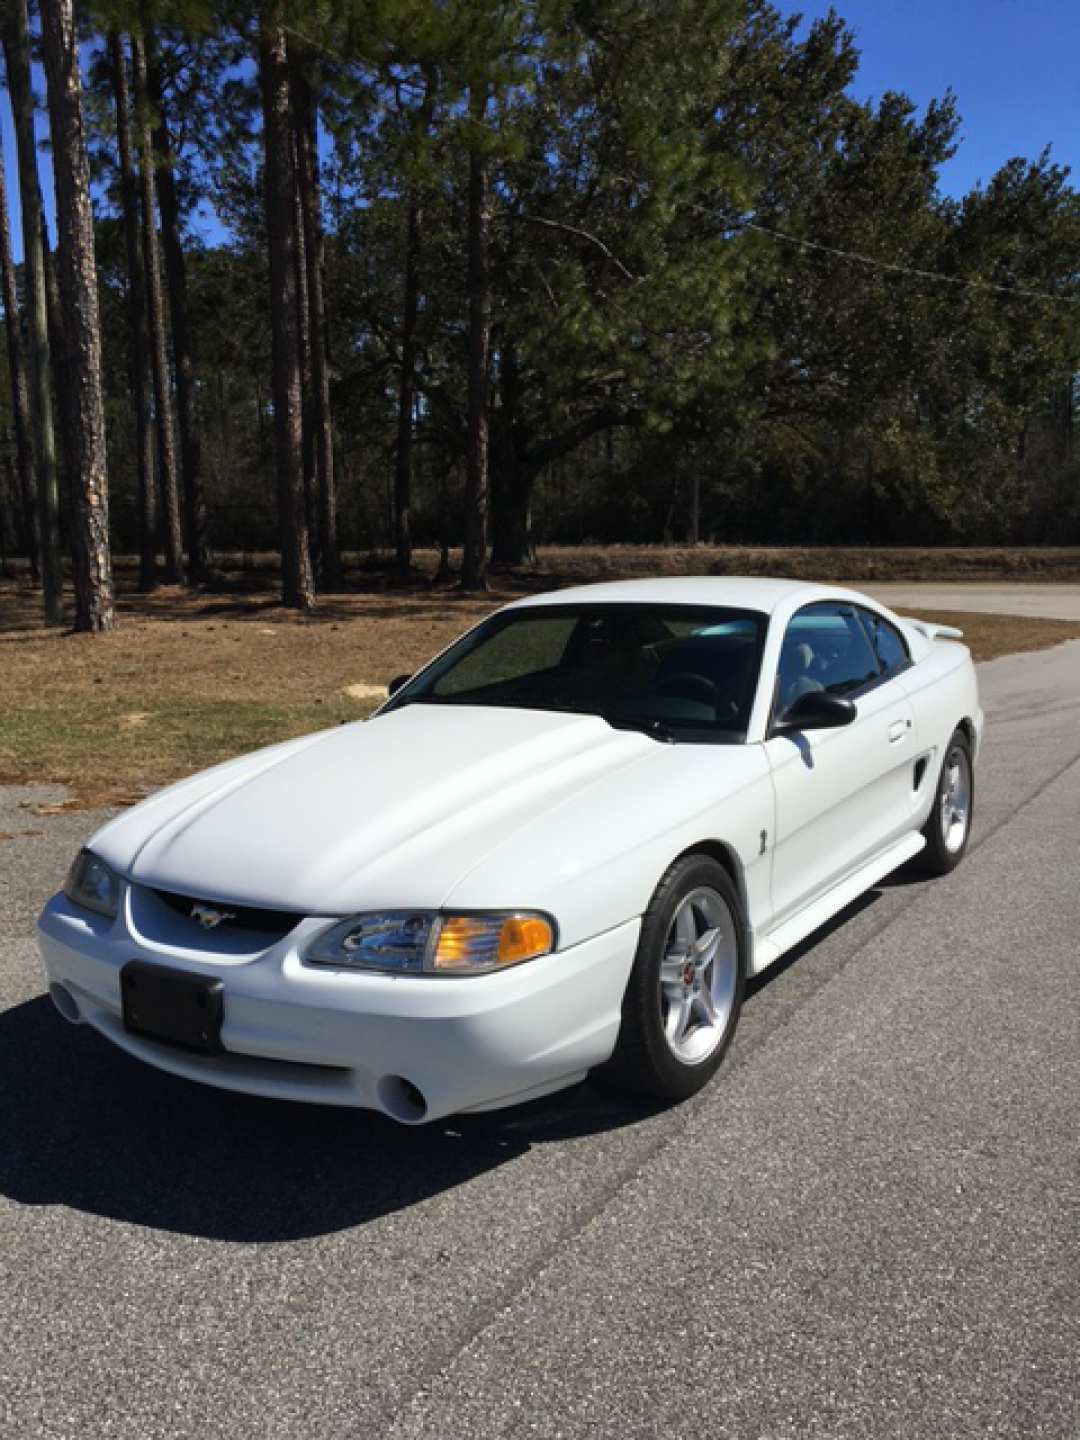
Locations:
817 710
396 684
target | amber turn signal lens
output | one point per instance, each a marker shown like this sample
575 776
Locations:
475 944
523 938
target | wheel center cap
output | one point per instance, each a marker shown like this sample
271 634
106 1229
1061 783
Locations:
688 974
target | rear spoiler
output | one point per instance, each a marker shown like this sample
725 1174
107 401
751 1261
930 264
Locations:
932 631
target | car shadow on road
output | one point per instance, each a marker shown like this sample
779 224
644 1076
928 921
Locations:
779 968
86 1126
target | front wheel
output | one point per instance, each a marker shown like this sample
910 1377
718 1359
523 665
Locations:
685 990
948 827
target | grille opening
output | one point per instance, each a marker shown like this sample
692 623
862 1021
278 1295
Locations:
240 917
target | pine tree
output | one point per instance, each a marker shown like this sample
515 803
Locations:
94 606
298 584
168 486
319 420
478 242
138 322
16 38
191 461
20 400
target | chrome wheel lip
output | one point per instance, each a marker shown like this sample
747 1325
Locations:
699 973
955 799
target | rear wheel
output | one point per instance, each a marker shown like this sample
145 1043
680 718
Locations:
685 991
948 827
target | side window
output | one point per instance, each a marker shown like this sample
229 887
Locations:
825 648
891 648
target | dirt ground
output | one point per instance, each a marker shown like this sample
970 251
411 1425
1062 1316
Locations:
191 678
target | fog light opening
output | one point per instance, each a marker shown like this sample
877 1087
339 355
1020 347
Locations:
64 1001
401 1099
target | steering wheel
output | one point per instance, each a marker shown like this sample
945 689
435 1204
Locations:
687 686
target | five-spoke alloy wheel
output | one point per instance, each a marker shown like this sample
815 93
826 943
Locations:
698 975
948 827
682 1001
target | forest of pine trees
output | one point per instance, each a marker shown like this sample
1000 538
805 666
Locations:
332 276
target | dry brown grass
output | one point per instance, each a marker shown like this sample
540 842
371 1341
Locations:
188 680
180 685
839 563
988 636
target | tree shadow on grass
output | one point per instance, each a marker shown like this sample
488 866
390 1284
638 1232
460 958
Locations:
86 1126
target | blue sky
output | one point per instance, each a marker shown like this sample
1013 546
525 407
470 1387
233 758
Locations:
11 167
1013 65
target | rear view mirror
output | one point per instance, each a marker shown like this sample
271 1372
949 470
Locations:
817 710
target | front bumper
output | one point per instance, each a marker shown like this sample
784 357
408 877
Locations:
414 1048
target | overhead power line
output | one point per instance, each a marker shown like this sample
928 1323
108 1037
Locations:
897 269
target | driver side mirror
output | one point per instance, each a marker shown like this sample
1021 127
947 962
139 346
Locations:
816 710
396 684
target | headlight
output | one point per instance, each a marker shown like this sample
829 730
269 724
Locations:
91 884
423 942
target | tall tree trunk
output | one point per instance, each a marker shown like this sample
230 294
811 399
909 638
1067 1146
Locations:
407 390
94 609
511 485
191 466
65 400
407 373
17 57
297 584
30 520
168 487
138 326
474 560
303 324
320 420
511 510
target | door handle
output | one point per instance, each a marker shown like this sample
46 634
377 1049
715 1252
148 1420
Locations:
897 730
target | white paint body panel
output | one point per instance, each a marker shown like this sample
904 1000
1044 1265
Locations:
865 769
432 807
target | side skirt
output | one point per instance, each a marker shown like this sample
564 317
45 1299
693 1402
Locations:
769 947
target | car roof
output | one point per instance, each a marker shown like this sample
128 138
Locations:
739 592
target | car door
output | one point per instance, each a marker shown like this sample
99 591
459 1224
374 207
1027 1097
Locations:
895 660
841 795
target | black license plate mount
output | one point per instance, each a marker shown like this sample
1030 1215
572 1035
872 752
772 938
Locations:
173 1005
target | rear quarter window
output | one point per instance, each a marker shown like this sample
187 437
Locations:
887 641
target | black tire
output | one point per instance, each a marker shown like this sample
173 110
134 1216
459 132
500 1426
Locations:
645 1060
945 844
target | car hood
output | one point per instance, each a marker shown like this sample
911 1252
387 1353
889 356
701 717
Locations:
395 811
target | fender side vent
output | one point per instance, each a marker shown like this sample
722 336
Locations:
920 771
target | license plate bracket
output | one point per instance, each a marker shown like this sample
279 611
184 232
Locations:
173 1005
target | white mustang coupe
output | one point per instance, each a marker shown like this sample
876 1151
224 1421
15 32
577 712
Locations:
564 845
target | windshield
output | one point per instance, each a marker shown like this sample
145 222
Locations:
677 671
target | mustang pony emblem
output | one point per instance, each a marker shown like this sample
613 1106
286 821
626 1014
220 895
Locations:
209 918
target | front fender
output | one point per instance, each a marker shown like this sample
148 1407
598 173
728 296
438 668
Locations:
593 862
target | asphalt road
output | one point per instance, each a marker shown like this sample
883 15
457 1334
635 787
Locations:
1046 601
867 1226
